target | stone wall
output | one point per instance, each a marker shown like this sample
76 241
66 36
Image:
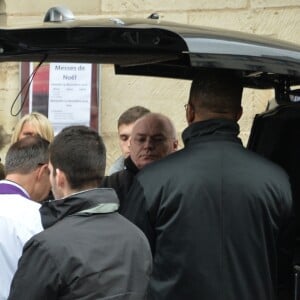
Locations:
272 18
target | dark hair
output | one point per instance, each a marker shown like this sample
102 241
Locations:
26 154
219 91
80 153
2 172
132 114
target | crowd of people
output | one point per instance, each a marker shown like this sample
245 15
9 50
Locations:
212 220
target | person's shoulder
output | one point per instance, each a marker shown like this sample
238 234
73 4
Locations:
53 237
19 206
114 179
130 229
257 158
266 167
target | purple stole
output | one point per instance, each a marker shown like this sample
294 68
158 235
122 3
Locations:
6 188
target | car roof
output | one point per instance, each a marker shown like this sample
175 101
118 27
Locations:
153 48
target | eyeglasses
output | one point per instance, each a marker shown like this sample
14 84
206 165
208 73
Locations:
155 140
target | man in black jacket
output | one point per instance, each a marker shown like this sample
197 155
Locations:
153 137
88 250
213 212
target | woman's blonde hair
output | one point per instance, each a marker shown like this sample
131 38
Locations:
39 121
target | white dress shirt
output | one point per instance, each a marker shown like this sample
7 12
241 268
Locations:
19 221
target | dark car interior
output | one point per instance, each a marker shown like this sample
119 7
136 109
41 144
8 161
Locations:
274 135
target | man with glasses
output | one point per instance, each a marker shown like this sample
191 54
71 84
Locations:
214 212
153 137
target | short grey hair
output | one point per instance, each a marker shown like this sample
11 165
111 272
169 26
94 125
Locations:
26 155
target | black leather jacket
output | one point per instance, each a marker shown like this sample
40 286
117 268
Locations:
214 213
121 182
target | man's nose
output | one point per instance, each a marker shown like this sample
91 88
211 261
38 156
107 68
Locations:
149 143
128 142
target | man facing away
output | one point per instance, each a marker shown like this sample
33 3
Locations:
87 250
153 137
27 179
125 124
213 212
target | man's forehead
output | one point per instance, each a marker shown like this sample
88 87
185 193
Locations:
149 126
149 134
125 129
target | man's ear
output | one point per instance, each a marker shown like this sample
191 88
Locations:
60 178
175 145
190 114
41 170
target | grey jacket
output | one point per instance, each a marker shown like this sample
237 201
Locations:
88 251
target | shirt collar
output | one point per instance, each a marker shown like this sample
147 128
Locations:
11 187
211 129
94 201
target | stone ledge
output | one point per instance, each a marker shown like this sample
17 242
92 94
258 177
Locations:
158 5
19 7
273 3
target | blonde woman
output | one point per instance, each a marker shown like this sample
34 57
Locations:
33 124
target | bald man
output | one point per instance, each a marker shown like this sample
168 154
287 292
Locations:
153 137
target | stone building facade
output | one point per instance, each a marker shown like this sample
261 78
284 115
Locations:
272 18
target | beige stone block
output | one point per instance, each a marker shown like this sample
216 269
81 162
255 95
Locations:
178 17
181 17
17 21
228 20
273 3
276 23
8 121
2 8
171 5
9 76
283 24
9 89
23 7
112 148
254 102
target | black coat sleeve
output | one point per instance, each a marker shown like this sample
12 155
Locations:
286 246
139 210
37 276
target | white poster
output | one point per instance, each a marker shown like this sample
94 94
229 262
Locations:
69 94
